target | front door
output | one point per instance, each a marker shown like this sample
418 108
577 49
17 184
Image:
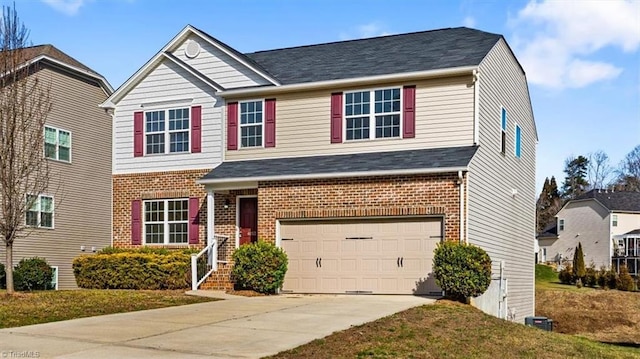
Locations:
248 220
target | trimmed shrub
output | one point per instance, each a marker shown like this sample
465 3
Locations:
461 270
607 278
566 275
3 277
625 281
579 271
33 274
146 249
134 269
591 276
259 266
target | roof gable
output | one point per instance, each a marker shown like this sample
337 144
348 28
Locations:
412 52
624 201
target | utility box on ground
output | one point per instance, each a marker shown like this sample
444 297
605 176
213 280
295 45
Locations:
543 323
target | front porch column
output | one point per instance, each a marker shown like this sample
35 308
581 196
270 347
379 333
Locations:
211 209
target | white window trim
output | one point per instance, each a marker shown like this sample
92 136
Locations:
165 223
614 220
517 127
240 125
503 130
53 212
166 132
56 276
372 114
561 224
58 129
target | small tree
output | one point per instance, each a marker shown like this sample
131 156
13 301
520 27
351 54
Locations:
579 270
24 106
461 270
625 281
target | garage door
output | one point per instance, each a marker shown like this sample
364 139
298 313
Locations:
384 256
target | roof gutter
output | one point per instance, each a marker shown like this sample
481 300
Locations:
215 181
269 90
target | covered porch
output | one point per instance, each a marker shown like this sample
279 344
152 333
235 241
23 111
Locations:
627 252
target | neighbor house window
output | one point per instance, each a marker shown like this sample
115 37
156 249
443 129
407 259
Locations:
57 144
615 220
518 142
251 116
167 127
166 221
384 114
503 132
40 213
561 225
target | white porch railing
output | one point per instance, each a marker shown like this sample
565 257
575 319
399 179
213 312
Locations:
206 261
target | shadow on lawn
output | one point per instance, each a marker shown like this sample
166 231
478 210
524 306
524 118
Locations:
623 344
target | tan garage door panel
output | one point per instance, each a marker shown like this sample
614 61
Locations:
391 256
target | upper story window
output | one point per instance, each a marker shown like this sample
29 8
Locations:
503 132
251 129
614 220
57 144
166 221
518 142
167 127
40 213
560 224
360 114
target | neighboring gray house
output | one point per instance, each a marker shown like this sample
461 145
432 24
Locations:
607 224
74 216
356 157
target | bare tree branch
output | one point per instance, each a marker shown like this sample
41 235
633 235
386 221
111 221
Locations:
599 172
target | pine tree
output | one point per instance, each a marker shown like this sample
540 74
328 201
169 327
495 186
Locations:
579 270
575 183
548 203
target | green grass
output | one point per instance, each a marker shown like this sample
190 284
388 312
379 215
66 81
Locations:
547 278
51 306
451 330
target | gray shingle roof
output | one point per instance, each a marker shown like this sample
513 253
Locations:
615 201
364 163
418 51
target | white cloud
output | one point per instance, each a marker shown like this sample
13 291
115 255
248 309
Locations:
372 29
558 41
67 7
469 21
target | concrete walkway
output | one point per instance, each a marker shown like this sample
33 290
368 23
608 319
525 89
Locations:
236 327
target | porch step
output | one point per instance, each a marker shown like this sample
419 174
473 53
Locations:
219 280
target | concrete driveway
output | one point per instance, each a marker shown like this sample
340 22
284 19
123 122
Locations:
236 327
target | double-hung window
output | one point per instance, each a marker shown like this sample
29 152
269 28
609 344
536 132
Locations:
384 113
166 221
251 120
503 132
40 213
167 126
57 144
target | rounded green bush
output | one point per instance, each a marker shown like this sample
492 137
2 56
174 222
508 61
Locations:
33 274
259 266
566 275
461 270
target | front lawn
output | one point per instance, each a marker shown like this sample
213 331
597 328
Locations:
451 330
25 308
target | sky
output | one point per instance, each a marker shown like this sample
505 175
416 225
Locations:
581 58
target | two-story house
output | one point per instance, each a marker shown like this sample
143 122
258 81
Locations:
74 216
606 222
356 157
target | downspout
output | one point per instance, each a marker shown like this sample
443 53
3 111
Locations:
476 107
462 211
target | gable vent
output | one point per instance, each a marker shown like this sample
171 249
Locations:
192 49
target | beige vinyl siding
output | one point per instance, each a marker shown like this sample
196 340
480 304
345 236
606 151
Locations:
627 222
82 188
444 118
586 222
219 66
498 221
167 86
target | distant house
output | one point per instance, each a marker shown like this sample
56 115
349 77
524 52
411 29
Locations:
606 223
74 217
